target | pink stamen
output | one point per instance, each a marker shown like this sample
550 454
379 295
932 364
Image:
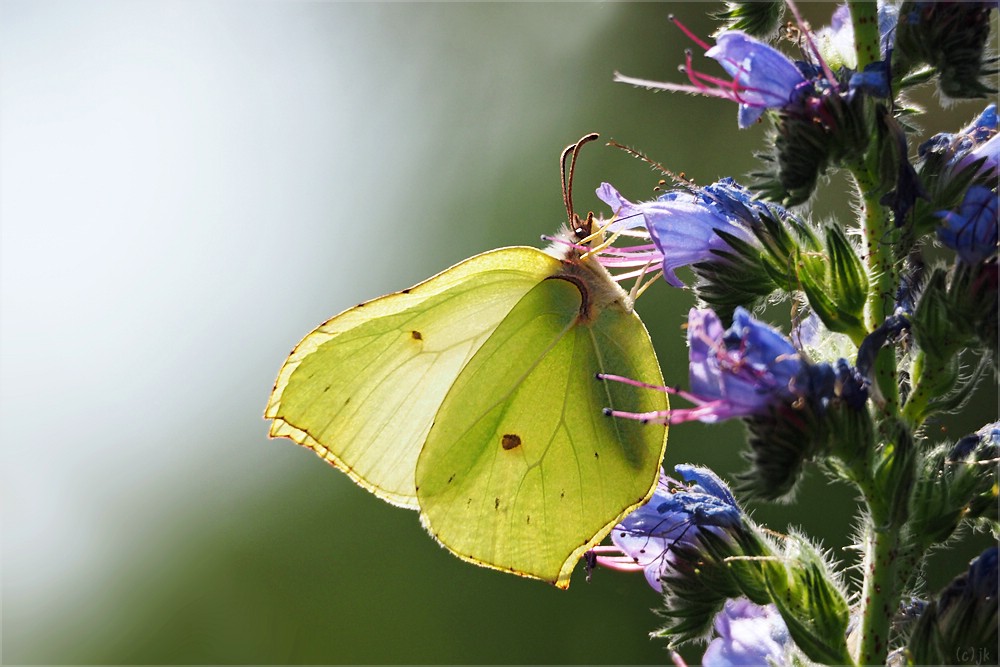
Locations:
731 86
617 561
630 249
606 549
622 564
804 27
632 383
731 90
673 87
693 37
625 264
634 259
658 417
635 274
674 391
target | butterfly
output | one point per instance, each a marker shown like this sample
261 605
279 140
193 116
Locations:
472 398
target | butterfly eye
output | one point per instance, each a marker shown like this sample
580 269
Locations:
584 229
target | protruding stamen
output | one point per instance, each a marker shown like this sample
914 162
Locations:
649 283
804 27
693 37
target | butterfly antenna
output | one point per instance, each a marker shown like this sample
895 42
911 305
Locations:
680 179
570 153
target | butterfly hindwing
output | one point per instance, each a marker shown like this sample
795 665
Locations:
521 471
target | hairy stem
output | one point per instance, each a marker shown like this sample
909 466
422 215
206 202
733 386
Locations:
880 260
864 18
879 595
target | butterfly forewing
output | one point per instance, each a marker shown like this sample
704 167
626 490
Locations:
363 389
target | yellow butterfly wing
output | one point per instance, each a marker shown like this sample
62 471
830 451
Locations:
521 471
363 389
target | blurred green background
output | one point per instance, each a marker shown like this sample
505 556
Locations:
186 189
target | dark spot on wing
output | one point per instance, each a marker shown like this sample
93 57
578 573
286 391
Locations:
510 441
596 455
416 335
496 504
348 400
451 478
529 518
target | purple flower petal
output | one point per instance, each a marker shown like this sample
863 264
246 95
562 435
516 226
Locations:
766 78
747 634
740 371
674 516
972 230
681 225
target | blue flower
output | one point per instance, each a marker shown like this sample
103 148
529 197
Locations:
972 230
738 372
763 77
873 81
672 520
963 616
974 142
987 151
747 634
986 438
684 226
748 371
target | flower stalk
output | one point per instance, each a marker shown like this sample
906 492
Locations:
864 19
857 418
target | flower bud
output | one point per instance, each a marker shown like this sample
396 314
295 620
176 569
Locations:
828 418
955 483
826 124
893 475
949 36
981 299
758 18
960 625
937 328
950 316
950 163
682 539
836 284
976 456
811 602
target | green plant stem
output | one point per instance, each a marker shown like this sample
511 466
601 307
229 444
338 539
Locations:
880 590
864 18
879 596
878 236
